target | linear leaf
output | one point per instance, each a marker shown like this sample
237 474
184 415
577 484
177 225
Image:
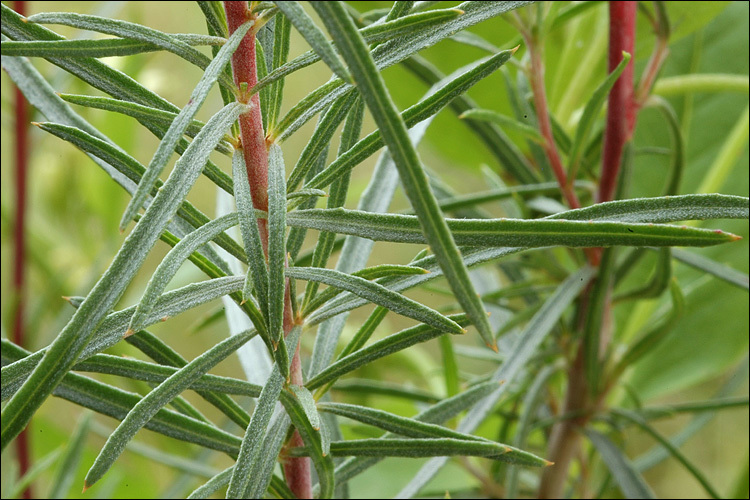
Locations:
630 481
365 386
710 266
257 272
411 448
507 232
69 344
369 273
131 31
181 122
251 459
439 413
526 346
676 453
116 403
156 399
384 347
337 196
141 113
106 47
112 328
507 123
427 107
590 114
173 261
298 409
69 464
320 138
377 294
281 32
412 174
150 372
314 36
276 241
375 33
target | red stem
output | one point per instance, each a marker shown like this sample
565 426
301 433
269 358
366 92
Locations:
255 149
19 250
621 108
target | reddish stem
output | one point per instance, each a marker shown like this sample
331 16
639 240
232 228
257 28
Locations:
545 126
255 149
19 249
621 108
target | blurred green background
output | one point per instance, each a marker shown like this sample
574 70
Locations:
74 209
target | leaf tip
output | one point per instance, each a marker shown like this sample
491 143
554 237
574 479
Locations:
493 346
459 11
515 49
36 124
86 486
547 463
128 333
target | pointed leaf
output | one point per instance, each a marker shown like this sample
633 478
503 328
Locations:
630 481
378 294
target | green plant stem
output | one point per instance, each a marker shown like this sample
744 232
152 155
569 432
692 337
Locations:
255 149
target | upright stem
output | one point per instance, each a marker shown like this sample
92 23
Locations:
621 108
565 439
255 150
19 250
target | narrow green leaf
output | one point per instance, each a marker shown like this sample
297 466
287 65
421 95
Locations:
257 272
320 138
654 412
337 196
215 16
375 33
384 347
183 119
156 399
308 405
531 400
142 113
314 36
276 242
414 448
658 282
630 481
507 232
116 403
150 372
251 459
131 31
282 31
300 411
590 114
365 331
215 483
365 386
710 266
525 346
173 261
701 82
68 345
105 47
450 367
37 469
377 294
411 172
508 124
673 450
427 107
439 413
90 70
65 474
